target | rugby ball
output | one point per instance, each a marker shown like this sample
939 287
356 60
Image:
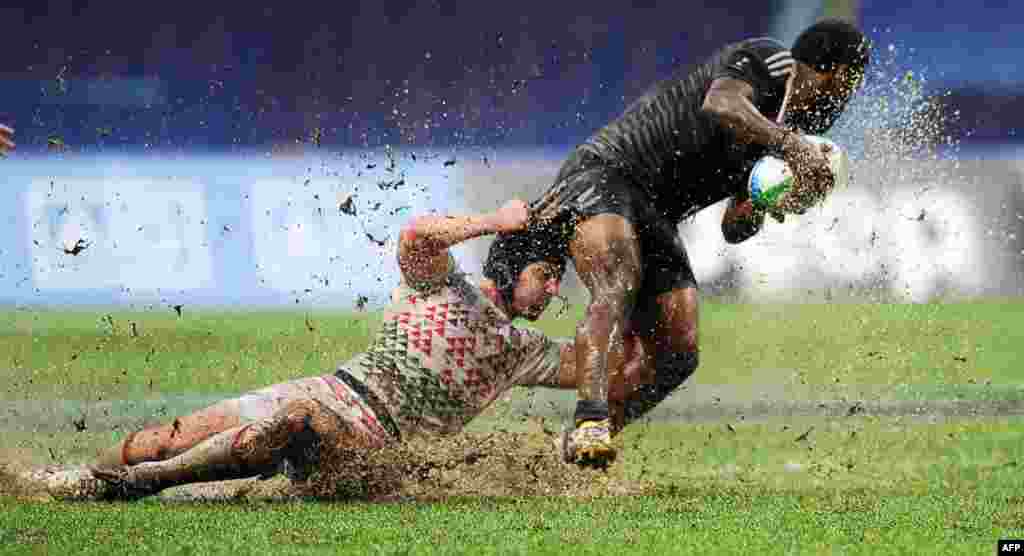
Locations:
771 176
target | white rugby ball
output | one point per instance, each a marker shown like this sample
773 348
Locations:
771 176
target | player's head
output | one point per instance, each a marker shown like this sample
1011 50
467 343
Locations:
832 55
526 268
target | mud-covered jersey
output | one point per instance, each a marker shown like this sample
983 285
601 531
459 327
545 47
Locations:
444 352
684 158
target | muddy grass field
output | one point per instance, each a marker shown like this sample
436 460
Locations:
808 429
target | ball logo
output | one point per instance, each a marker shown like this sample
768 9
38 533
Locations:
769 179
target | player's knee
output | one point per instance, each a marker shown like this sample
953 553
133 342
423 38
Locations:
681 339
299 414
619 277
300 408
610 303
248 441
270 435
599 315
689 342
313 417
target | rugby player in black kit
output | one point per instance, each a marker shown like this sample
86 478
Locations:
688 143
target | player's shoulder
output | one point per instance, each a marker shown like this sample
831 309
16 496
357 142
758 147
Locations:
763 47
765 50
761 57
432 283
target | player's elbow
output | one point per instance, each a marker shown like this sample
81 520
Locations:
725 106
712 105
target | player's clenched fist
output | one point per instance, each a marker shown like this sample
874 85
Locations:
511 217
810 163
6 141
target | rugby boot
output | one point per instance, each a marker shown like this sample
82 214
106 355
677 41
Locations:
590 445
66 482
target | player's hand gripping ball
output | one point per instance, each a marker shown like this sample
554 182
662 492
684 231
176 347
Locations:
771 177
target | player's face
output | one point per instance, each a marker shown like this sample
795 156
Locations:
841 84
538 283
820 98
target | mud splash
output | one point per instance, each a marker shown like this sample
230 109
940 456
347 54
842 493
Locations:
464 465
506 464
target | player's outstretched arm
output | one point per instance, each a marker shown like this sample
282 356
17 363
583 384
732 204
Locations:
424 241
557 368
6 139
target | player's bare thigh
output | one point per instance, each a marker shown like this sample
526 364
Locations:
605 251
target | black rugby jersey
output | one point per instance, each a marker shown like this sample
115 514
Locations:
683 158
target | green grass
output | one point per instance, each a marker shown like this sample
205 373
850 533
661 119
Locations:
891 453
692 521
934 351
893 488
852 485
76 355
899 351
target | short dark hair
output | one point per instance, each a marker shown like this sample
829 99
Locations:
512 252
831 43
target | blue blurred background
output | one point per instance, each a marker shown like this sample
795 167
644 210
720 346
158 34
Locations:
201 150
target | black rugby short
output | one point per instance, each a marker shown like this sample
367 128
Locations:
587 186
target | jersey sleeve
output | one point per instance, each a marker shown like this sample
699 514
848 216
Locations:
537 359
432 284
763 63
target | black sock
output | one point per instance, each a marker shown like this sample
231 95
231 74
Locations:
590 410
